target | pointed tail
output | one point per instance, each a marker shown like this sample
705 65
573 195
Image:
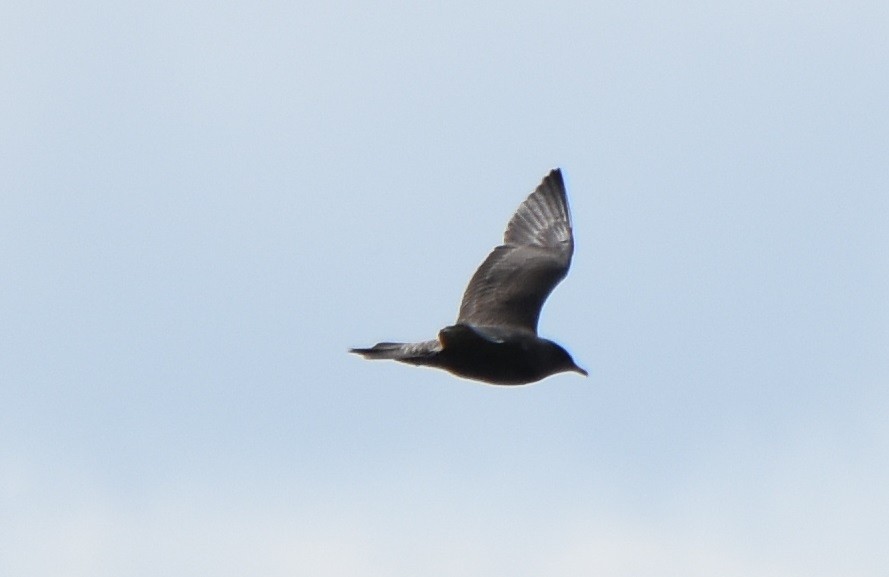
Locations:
413 353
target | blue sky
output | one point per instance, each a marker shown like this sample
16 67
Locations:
205 204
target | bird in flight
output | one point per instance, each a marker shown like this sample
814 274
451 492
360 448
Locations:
495 337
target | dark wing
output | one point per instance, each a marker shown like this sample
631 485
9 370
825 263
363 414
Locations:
509 288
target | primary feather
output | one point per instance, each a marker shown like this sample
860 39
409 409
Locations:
511 285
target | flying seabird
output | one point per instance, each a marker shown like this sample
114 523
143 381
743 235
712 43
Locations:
495 337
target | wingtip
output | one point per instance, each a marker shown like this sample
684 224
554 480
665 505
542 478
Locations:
556 173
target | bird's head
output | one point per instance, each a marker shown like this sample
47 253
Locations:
560 361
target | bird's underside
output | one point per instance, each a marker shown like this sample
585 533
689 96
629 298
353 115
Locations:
495 338
477 353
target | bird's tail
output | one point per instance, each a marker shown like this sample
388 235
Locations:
413 353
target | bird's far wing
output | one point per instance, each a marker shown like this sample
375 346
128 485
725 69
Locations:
511 285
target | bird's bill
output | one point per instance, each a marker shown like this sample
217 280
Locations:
583 372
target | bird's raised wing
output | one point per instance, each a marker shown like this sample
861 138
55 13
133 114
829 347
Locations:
510 286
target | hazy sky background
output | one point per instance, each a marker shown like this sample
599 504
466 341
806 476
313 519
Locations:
204 204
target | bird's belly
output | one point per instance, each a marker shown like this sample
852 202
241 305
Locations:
498 363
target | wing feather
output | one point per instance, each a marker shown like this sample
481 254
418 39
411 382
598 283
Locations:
511 285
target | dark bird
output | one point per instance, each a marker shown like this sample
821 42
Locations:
495 338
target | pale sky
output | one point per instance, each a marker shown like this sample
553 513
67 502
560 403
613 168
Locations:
205 204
